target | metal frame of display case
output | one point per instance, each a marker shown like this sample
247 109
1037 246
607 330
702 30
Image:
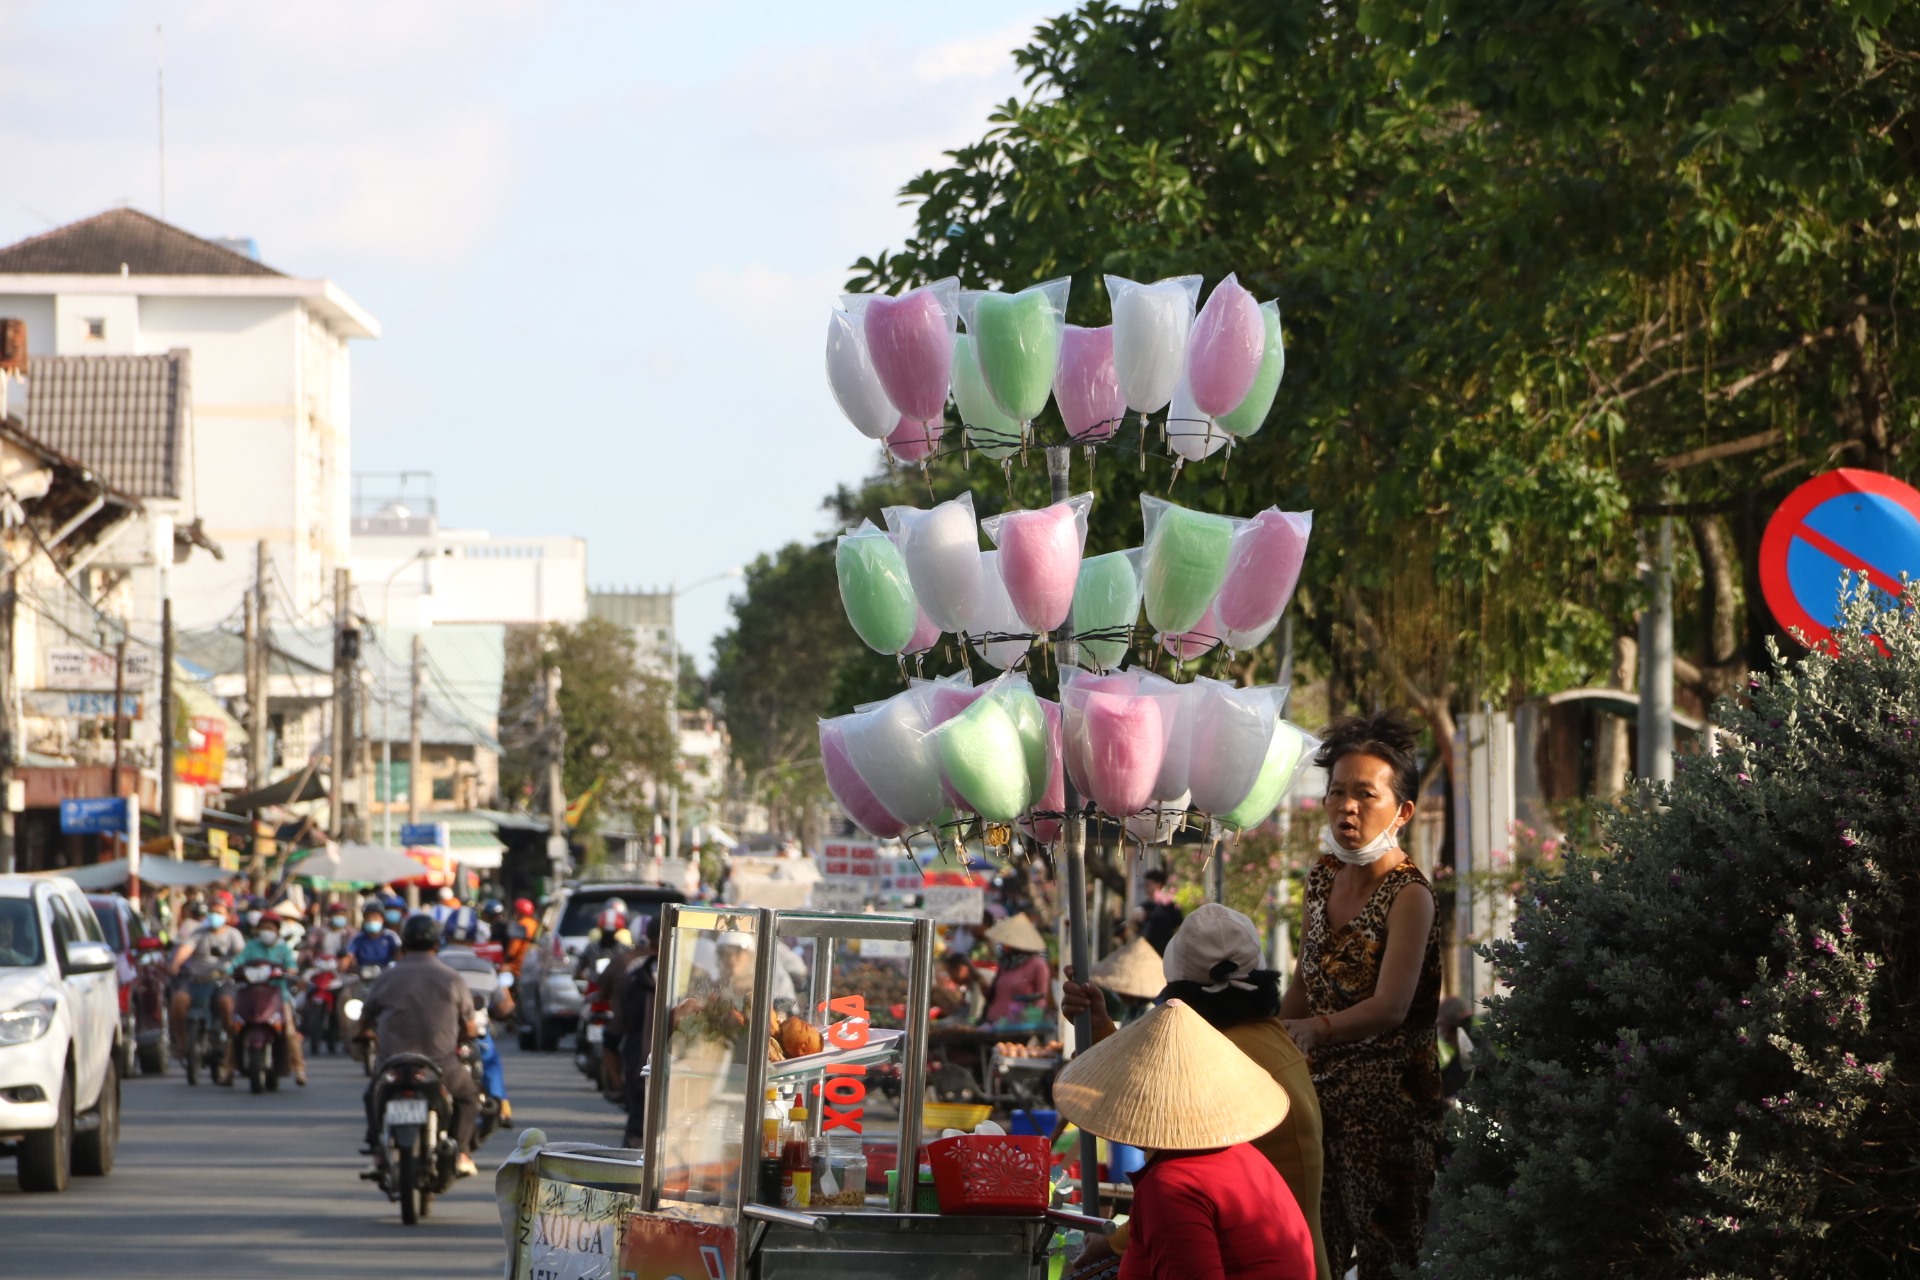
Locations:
768 928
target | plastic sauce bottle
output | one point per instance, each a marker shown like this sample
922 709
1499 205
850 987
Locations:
796 1163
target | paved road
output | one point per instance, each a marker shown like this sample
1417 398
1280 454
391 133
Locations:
215 1183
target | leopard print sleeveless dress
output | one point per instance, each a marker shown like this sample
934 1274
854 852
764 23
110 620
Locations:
1380 1098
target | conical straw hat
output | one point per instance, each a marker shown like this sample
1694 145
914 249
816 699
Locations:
1018 934
1134 971
1170 1082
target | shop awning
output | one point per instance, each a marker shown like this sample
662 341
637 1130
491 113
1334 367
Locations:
157 869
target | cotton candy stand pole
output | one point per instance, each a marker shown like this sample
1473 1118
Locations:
1073 837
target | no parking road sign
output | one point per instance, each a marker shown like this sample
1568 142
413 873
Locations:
1843 522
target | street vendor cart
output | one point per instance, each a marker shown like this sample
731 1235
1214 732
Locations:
695 1201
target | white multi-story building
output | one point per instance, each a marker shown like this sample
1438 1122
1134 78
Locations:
266 454
409 571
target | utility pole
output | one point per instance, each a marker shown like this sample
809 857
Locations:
258 670
132 835
414 709
7 721
167 817
554 734
363 769
345 650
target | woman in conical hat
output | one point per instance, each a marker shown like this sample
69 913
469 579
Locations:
1214 964
1207 1206
1024 978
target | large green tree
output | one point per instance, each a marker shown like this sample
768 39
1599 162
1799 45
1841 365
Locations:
615 716
1548 271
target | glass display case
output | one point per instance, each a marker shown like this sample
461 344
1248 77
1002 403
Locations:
826 1011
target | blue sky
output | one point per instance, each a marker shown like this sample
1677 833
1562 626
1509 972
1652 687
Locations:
602 237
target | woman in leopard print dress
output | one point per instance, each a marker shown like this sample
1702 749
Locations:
1363 1002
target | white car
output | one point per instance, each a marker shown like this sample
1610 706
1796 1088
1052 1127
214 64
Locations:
59 1028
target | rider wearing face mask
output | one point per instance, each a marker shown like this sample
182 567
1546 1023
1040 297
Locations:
1364 999
267 947
205 955
375 944
327 942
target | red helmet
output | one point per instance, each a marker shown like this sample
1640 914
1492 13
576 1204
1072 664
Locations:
523 906
612 920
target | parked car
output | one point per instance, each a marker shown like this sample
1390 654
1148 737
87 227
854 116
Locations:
142 962
548 996
59 1033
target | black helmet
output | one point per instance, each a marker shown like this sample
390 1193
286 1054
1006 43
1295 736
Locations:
419 933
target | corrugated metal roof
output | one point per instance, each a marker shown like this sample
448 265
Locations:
125 238
123 417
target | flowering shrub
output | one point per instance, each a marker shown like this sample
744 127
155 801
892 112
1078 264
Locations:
1705 1060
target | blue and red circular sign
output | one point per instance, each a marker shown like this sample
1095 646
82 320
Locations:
1845 521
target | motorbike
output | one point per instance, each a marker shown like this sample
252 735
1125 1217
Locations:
319 1009
206 1037
146 1003
417 1149
352 997
260 1015
596 1014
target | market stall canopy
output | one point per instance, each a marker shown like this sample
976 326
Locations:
292 789
356 864
155 869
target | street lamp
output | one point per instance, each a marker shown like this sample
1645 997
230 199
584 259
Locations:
673 699
386 696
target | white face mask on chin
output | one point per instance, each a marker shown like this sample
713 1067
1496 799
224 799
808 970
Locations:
1370 852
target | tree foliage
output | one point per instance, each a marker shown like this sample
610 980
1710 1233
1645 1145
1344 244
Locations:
615 716
1703 1059
1547 270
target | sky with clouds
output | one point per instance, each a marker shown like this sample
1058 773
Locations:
601 237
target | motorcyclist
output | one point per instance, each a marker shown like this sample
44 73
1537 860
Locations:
443 910
326 943
493 914
602 940
422 1006
375 944
464 920
267 947
459 955
206 952
632 998
521 934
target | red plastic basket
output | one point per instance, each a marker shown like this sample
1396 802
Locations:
991 1173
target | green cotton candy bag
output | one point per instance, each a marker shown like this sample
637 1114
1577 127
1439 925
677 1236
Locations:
989 430
1251 413
1290 745
1106 600
984 761
1030 722
875 589
1016 339
1187 554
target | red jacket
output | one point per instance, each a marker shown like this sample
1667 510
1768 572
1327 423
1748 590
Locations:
1215 1215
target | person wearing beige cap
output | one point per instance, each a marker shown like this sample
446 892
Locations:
1024 978
1206 1206
1214 964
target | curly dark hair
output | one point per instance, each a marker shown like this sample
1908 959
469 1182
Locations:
1385 735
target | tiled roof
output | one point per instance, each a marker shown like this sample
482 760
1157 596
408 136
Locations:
124 417
125 238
